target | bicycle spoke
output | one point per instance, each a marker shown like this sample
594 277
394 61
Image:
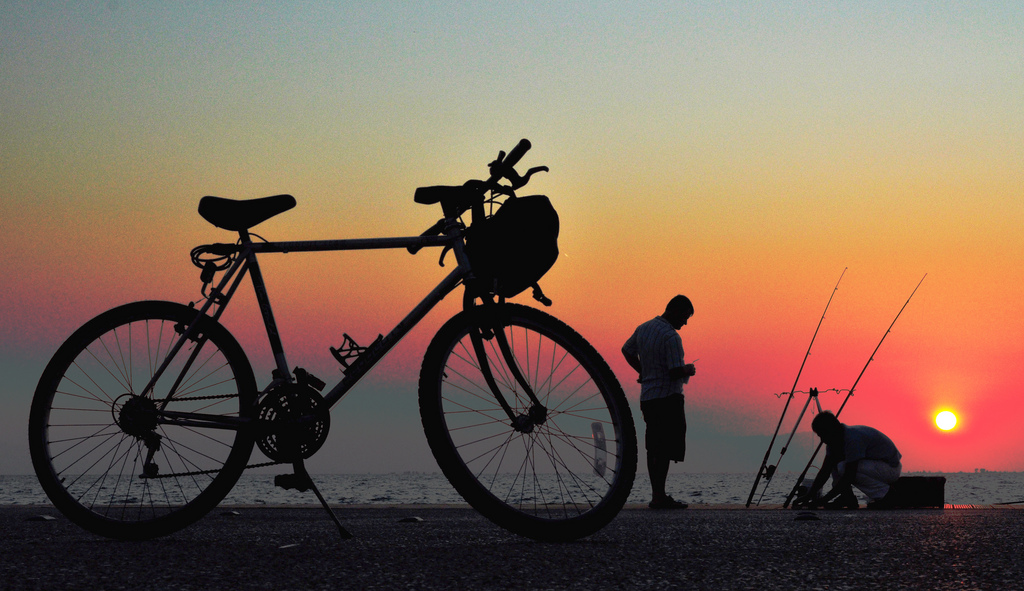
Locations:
108 456
545 464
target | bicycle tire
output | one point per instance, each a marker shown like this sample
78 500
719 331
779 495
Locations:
87 461
543 484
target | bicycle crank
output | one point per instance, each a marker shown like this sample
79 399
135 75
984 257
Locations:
295 422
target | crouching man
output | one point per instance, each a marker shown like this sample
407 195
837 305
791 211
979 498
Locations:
855 455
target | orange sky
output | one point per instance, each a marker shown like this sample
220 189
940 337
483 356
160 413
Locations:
742 155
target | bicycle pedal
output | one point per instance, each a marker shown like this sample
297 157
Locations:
293 481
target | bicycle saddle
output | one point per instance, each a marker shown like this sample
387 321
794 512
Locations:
436 194
238 215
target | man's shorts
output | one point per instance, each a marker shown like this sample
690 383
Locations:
666 427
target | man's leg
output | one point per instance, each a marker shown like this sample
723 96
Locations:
660 450
874 478
657 468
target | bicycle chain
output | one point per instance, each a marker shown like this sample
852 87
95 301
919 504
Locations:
204 472
190 398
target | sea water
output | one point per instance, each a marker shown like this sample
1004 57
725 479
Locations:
962 488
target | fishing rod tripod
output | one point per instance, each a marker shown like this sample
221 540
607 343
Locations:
766 471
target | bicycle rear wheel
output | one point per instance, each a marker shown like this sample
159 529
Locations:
100 453
557 475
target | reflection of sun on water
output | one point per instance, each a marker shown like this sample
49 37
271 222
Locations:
945 420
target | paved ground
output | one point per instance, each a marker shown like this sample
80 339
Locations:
455 548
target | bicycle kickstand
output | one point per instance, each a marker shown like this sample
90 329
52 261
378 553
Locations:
300 472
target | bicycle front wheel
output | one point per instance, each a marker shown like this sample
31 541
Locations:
555 471
98 447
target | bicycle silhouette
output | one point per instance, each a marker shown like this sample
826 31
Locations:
148 414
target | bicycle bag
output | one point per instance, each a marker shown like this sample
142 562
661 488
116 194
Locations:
515 247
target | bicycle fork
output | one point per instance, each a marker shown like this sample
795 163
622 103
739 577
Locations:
537 413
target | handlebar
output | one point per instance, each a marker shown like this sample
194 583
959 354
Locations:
472 192
501 167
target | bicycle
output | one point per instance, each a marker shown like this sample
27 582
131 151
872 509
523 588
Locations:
147 415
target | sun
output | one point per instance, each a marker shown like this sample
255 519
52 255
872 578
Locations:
945 420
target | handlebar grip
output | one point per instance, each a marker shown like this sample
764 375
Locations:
510 160
518 152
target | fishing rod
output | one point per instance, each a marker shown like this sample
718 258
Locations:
765 470
800 478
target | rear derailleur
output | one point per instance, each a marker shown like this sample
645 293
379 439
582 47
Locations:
136 416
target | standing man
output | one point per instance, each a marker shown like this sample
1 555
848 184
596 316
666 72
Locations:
855 455
655 351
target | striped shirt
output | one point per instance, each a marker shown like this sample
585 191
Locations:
660 350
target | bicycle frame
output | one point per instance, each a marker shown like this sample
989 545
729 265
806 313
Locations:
369 358
246 262
245 253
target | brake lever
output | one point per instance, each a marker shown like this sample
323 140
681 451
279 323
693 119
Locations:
521 181
444 251
498 169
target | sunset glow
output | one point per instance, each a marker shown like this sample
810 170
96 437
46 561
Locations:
741 154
